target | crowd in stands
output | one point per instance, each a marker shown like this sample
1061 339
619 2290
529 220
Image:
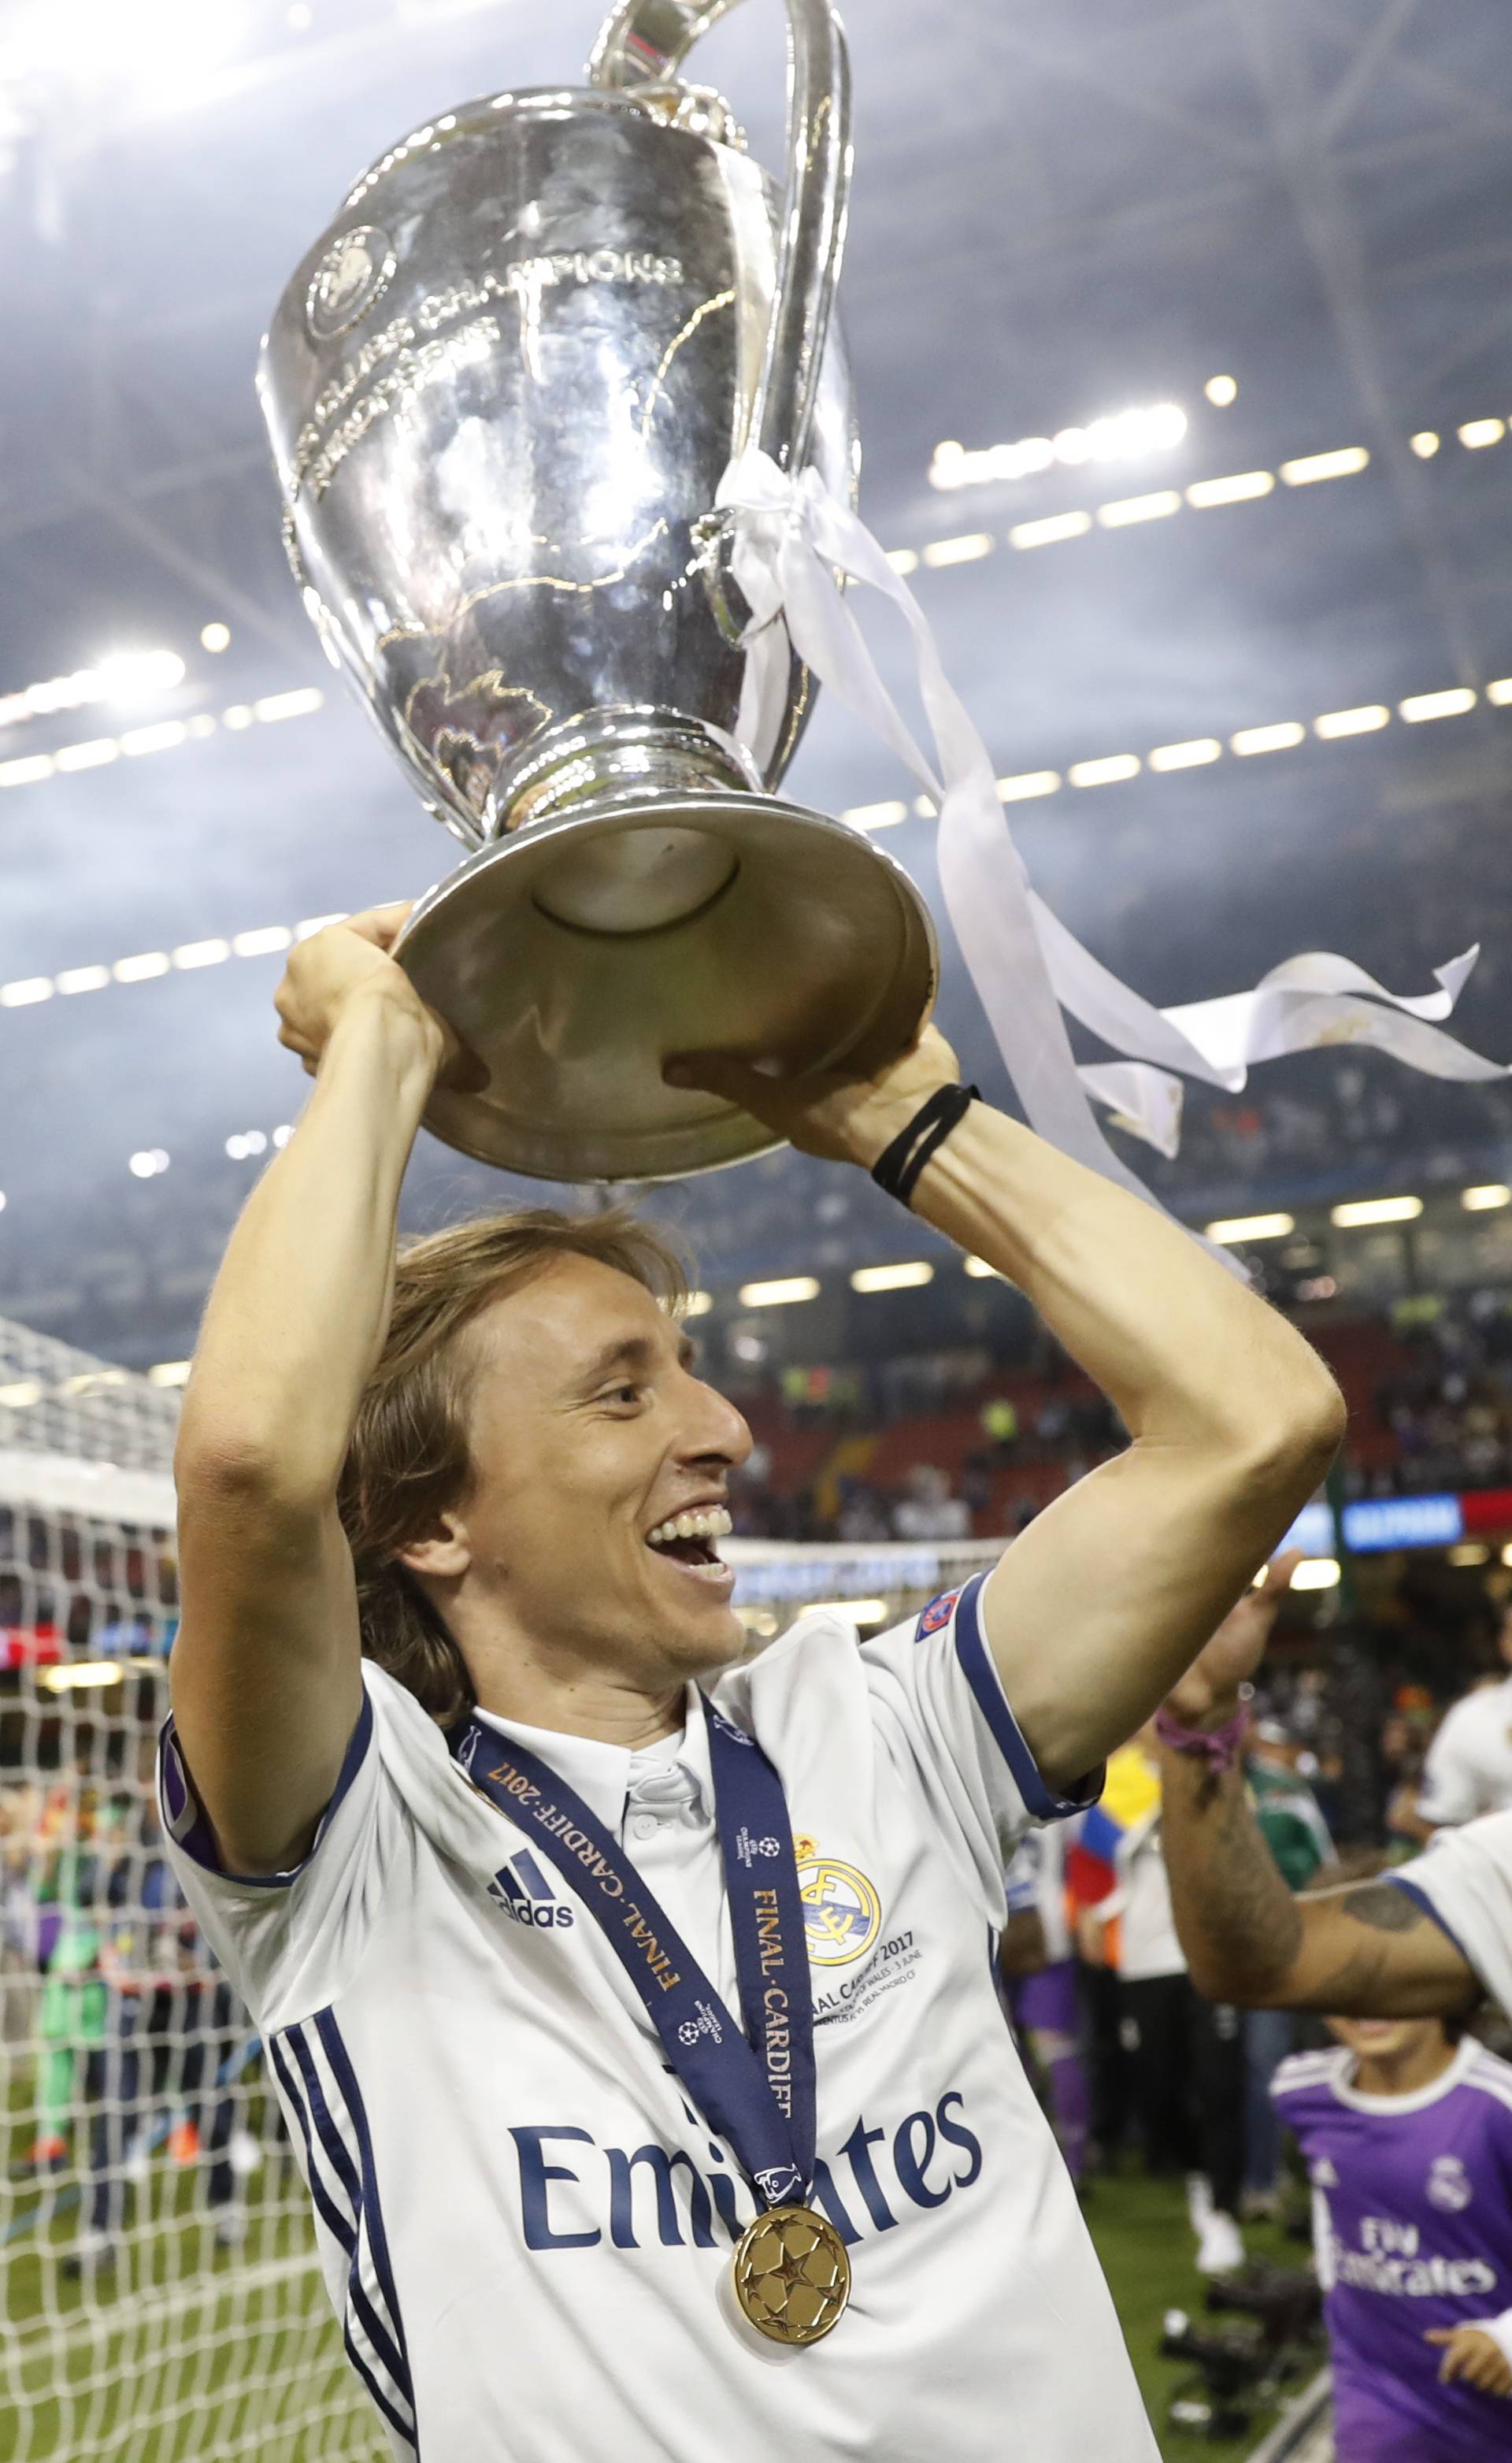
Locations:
952 1443
1447 1400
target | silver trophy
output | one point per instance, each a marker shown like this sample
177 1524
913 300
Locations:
502 390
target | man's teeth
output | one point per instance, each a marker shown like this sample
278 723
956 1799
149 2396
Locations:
709 1522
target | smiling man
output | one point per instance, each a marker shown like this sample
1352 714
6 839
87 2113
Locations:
630 2001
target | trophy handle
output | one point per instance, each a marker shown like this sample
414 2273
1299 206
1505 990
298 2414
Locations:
644 42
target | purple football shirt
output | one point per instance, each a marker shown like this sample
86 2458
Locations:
1413 2221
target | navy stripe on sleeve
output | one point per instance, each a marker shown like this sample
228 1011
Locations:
982 1676
185 1821
1420 1898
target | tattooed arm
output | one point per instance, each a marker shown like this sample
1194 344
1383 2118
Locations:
1367 1951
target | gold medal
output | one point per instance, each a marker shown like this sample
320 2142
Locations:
792 2275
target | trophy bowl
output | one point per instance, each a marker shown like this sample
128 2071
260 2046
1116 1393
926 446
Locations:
501 392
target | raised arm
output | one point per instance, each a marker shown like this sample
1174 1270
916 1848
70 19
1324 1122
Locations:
1367 1951
1094 1611
265 1673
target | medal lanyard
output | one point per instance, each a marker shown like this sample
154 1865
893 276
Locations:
759 2092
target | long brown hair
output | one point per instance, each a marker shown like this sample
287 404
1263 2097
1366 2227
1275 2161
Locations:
407 1461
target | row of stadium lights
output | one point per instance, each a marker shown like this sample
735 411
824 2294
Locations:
1123 512
134 674
1357 1215
1203 496
1162 425
129 675
1323 1573
1282 736
767 1295
159 670
1129 433
1158 428
165 735
265 940
1126 435
789 1291
1105 770
148 1162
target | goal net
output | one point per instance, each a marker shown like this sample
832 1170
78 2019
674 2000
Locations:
160 2292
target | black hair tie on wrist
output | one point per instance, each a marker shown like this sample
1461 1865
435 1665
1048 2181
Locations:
898 1168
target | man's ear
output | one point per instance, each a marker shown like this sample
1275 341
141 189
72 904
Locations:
443 1554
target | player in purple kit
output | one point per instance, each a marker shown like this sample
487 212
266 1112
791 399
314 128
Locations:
1407 2136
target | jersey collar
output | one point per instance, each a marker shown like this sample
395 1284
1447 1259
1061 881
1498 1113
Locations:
600 1773
1466 2051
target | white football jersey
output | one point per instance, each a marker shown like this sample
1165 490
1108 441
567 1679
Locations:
1468 1771
526 2227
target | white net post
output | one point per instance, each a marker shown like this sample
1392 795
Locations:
160 2295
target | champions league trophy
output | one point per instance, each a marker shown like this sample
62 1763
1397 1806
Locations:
501 392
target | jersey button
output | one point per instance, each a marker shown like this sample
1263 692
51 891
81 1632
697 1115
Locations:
645 1825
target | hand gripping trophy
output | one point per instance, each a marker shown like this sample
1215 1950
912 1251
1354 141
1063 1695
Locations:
503 390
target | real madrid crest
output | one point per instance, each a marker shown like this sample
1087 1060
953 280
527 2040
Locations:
842 1913
353 272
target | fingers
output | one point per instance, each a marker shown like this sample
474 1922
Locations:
716 1073
380 925
929 1042
1473 2357
1278 1573
461 1072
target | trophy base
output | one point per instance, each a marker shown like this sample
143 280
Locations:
577 955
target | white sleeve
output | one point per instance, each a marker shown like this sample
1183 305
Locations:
1448 1792
1464 1881
290 1941
1500 2330
941 1676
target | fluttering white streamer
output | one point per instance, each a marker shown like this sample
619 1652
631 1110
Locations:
788 540
791 538
1143 1102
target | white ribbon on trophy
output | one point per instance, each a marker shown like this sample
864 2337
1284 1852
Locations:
791 538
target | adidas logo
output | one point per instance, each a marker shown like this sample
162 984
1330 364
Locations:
526 1897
